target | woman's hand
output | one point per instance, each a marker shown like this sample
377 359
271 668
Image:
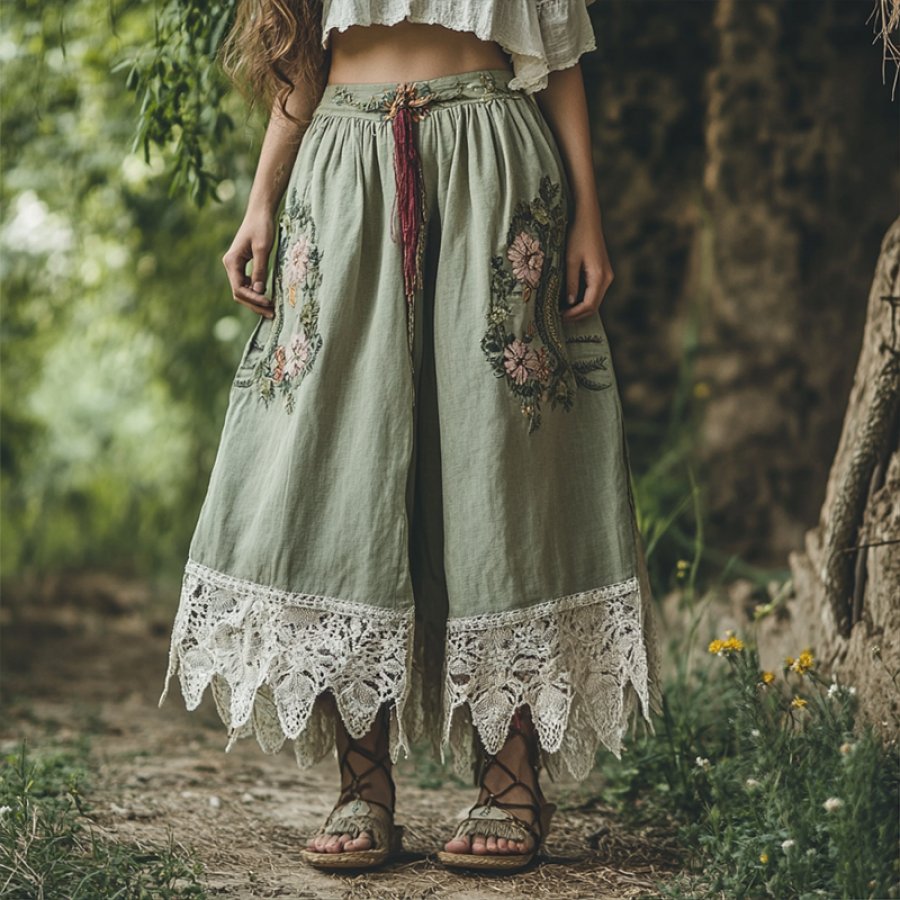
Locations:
253 243
587 260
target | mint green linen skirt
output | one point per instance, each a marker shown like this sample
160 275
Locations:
421 495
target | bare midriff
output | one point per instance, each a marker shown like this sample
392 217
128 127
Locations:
408 51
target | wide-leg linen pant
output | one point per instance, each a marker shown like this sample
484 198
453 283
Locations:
421 495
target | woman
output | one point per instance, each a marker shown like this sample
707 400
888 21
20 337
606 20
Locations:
420 521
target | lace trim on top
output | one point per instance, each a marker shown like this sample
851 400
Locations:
539 35
581 662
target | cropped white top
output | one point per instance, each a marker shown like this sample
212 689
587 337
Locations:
539 35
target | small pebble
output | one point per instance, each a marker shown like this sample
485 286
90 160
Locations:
215 802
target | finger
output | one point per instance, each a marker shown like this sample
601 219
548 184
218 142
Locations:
582 310
573 272
593 296
260 270
254 301
235 263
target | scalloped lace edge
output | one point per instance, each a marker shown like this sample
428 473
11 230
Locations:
281 665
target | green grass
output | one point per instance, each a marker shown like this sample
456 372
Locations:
742 773
49 847
771 799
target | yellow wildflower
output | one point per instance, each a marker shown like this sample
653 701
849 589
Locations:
701 390
803 663
763 857
718 646
682 564
789 661
798 702
768 677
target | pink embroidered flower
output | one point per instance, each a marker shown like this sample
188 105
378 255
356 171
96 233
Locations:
298 259
299 354
527 258
519 360
280 359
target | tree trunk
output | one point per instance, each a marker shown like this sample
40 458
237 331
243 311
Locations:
846 602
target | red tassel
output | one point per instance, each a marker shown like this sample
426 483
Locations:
408 176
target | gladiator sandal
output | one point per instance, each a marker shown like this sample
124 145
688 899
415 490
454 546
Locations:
492 818
353 815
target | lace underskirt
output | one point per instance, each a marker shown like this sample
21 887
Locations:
281 665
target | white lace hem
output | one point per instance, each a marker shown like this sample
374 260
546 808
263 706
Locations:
581 662
269 654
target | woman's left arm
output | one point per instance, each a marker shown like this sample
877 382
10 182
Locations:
564 106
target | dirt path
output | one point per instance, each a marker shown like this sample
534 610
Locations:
94 663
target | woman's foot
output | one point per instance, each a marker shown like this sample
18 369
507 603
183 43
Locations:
365 773
519 755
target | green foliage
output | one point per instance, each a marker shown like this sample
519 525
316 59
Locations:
181 90
778 789
119 332
49 848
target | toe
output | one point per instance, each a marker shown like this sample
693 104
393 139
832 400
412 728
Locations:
502 845
478 844
458 845
491 844
362 842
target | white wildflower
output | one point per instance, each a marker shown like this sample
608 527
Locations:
833 689
786 845
4 810
752 783
754 732
702 762
832 804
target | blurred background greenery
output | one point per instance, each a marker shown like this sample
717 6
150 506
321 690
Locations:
119 333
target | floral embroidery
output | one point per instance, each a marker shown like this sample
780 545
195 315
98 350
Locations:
537 365
527 258
297 279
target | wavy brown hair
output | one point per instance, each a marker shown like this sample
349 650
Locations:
273 46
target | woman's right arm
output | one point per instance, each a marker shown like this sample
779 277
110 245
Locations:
256 235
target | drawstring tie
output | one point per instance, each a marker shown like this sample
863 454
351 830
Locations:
405 108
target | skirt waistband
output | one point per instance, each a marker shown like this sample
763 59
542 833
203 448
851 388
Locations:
381 100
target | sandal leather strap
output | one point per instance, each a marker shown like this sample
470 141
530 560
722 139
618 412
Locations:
492 818
357 816
492 821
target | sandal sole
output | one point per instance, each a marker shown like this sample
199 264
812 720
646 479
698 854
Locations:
355 859
493 861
